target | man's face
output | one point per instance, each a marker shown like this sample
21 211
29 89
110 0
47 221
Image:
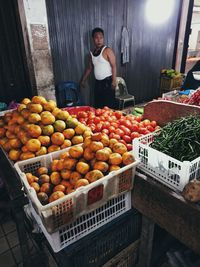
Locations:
98 39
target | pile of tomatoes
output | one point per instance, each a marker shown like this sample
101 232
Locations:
116 125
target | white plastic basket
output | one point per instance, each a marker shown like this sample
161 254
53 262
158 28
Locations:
85 224
83 200
169 171
2 113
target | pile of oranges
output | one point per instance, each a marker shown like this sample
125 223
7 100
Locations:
38 127
79 166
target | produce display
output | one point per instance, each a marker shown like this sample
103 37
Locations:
194 99
177 96
180 139
138 111
38 127
170 73
80 166
116 125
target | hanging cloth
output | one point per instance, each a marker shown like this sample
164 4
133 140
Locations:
125 45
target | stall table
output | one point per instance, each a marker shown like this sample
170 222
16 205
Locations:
166 208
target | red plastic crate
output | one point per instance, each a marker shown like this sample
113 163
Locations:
75 110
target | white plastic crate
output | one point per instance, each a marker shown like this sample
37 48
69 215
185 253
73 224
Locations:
83 200
169 171
85 224
2 113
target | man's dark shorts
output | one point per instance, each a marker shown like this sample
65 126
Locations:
104 95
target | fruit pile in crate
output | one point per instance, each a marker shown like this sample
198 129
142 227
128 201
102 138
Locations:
38 127
170 79
115 124
172 155
68 183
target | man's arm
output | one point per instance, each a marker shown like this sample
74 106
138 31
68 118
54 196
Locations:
87 72
112 61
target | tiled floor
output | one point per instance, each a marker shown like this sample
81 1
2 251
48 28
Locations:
10 254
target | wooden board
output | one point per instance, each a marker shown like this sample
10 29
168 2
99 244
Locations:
169 210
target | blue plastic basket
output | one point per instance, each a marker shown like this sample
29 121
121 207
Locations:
103 244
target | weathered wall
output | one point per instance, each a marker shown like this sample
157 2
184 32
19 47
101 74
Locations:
36 19
195 26
151 46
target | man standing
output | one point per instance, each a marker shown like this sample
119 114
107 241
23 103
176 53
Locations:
102 60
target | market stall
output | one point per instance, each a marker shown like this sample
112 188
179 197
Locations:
76 167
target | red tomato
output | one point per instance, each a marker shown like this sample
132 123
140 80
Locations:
111 129
111 135
82 114
109 119
133 117
98 111
82 120
106 131
92 126
138 118
146 132
134 128
98 127
116 136
90 121
119 132
141 124
118 114
106 108
91 115
113 118
128 124
122 121
127 138
106 125
115 124
125 130
153 123
123 142
146 122
96 120
150 128
142 130
135 135
129 147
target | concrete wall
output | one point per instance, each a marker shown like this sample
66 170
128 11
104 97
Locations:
195 26
36 19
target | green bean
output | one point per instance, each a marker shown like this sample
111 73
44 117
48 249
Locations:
180 139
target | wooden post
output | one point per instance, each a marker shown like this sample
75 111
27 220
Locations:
146 242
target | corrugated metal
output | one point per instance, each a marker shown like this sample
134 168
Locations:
152 47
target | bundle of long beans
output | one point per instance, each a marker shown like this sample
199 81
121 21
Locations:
180 139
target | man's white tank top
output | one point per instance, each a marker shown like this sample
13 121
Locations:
102 68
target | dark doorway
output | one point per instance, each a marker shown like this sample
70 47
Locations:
14 76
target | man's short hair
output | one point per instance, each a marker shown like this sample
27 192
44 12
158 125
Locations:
95 30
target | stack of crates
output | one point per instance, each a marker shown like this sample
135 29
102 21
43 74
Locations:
113 245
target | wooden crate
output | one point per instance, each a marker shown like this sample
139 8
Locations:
168 84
